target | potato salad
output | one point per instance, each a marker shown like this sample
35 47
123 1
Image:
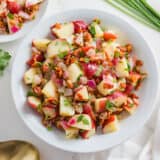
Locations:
80 79
14 13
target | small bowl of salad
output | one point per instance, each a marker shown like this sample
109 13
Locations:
17 17
84 82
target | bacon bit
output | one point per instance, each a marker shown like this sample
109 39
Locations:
122 54
110 119
122 48
45 68
58 125
70 59
129 88
59 71
134 96
123 85
73 59
108 59
82 59
50 106
136 102
108 86
57 26
78 96
98 58
134 77
69 83
77 52
51 100
139 62
67 61
87 48
35 58
129 48
87 37
37 90
138 86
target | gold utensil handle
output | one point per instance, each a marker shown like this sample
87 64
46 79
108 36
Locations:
18 150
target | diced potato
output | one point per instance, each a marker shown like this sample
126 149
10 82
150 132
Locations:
33 76
21 2
71 133
13 24
56 47
109 49
66 109
89 133
74 72
49 112
131 110
100 104
122 84
33 102
106 87
65 30
122 69
41 44
118 98
50 90
81 121
82 94
111 125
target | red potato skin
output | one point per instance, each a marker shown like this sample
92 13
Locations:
53 34
13 7
58 26
35 58
31 104
109 120
102 106
87 48
87 109
48 107
86 134
80 26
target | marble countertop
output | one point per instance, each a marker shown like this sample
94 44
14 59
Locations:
11 126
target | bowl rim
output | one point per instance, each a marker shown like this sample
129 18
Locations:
126 137
16 36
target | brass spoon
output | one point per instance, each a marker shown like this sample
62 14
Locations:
18 150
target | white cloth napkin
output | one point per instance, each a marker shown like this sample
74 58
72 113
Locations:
139 147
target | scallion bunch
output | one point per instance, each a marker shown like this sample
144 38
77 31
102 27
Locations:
141 10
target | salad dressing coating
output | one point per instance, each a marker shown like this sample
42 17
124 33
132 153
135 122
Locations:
82 79
14 13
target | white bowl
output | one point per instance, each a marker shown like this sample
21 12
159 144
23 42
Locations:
27 27
128 127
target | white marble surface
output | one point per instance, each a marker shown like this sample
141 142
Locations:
12 127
